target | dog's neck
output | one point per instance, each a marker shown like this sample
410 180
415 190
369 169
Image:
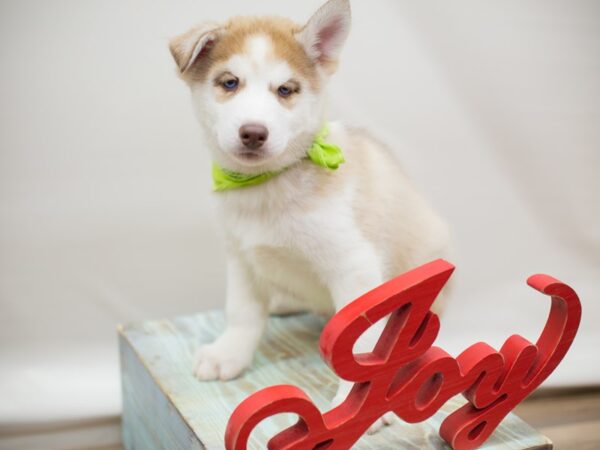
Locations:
321 153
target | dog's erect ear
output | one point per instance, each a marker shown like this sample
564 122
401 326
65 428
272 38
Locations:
326 31
193 45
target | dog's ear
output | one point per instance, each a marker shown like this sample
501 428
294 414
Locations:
194 45
326 31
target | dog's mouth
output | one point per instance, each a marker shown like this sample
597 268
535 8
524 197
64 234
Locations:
246 155
250 155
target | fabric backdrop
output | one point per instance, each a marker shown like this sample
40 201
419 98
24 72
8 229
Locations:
105 202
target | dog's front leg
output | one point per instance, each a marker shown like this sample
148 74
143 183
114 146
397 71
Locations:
246 315
350 280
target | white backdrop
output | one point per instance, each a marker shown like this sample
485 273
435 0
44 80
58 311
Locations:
105 202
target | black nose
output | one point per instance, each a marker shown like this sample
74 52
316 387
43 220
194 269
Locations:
253 136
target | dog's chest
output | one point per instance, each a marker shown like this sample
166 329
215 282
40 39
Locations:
284 251
281 247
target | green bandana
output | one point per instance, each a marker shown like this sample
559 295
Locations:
320 152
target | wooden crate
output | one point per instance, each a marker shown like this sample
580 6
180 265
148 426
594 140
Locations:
165 407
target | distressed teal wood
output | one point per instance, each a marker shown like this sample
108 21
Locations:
165 407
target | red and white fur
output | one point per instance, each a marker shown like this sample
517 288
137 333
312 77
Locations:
308 239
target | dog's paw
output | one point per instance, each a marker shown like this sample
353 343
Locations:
218 362
385 420
342 394
338 400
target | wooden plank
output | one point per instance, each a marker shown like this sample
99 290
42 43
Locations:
558 408
165 407
571 418
115 447
576 436
150 418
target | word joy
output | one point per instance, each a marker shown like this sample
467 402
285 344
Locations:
407 375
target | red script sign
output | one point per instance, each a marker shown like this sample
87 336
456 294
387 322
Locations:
407 375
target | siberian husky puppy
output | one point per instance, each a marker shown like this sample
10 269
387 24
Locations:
299 236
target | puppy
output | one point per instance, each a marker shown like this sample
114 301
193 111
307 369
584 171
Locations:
303 231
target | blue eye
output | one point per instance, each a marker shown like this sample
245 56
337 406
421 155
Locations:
231 84
284 91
